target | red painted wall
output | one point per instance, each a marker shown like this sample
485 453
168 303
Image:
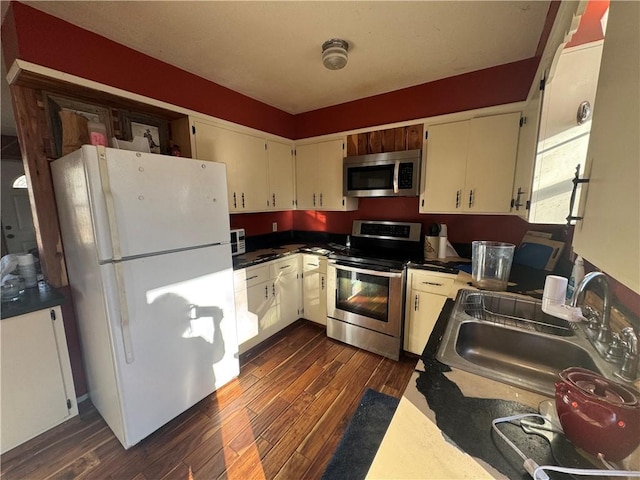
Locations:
590 29
54 43
460 228
262 223
48 41
492 86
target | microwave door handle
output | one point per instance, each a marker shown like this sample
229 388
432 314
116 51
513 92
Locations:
396 171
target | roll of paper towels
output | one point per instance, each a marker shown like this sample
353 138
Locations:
442 247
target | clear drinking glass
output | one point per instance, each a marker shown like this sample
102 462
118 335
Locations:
491 264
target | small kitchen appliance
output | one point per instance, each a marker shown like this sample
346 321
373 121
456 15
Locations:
390 174
237 241
365 294
597 414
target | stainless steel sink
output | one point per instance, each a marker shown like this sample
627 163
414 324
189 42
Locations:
507 337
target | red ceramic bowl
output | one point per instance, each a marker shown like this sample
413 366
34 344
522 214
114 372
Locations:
598 415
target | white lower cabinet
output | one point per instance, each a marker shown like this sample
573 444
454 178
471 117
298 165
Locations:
287 287
426 294
314 281
36 380
268 298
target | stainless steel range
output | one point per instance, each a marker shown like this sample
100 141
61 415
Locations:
365 294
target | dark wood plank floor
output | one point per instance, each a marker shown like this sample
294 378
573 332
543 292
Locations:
281 419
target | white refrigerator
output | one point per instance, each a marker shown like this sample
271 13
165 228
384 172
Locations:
146 241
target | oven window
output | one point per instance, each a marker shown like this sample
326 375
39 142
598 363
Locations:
378 177
362 294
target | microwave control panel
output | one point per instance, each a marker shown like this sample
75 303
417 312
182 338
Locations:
405 175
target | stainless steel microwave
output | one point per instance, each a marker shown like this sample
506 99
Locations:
390 174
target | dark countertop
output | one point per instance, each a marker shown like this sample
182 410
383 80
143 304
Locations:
262 255
524 280
33 299
448 391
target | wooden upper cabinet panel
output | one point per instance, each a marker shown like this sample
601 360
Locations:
399 139
414 137
389 140
375 142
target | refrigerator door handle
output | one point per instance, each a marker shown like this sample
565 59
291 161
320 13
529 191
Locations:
124 313
108 198
197 311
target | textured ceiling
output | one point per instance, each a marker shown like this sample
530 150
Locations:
271 51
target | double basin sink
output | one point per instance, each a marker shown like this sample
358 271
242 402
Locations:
510 339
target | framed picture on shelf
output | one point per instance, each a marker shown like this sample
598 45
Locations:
54 104
154 130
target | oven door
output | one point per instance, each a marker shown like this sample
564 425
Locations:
368 298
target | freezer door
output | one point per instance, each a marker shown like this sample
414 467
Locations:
144 203
179 315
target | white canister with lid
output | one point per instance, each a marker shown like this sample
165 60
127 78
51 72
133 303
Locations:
27 270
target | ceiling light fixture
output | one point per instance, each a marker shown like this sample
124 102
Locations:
334 53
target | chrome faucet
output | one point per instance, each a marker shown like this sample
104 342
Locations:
629 369
604 336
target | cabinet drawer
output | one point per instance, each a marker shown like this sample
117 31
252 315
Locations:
284 267
314 262
438 283
256 275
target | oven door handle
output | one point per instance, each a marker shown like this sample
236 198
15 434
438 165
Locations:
364 270
396 173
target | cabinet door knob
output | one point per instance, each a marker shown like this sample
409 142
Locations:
416 303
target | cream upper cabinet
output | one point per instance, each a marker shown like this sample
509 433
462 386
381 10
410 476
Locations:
280 165
319 177
258 170
608 234
306 172
218 145
527 142
470 165
252 188
445 167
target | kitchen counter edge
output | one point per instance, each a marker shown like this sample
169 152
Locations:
32 300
